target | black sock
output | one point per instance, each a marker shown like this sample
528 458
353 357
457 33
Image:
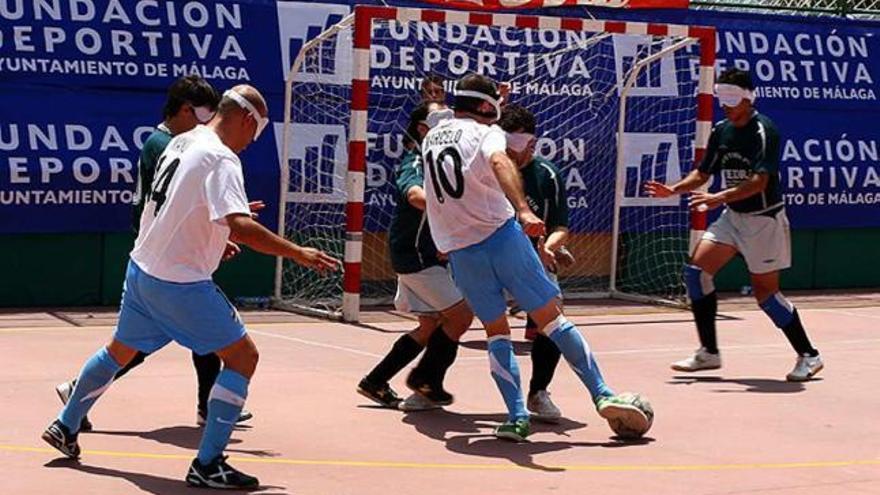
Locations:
138 359
405 349
797 336
545 358
439 355
207 369
704 310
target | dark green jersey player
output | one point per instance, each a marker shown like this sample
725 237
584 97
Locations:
153 147
743 150
424 288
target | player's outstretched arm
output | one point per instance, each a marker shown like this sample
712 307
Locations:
692 181
511 183
250 233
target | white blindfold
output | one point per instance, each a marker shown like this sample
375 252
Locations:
519 141
730 95
262 122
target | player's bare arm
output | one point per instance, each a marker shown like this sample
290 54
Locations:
416 197
250 233
692 181
511 183
753 185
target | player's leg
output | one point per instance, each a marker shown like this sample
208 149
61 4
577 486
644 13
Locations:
476 278
785 316
135 331
545 358
226 400
717 247
207 369
434 288
64 390
374 385
522 273
426 379
767 250
200 317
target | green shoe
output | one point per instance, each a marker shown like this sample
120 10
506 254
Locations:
629 415
514 430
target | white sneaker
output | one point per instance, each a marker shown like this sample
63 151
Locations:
417 402
542 408
64 391
701 360
805 368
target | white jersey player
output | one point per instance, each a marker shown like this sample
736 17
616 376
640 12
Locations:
196 207
474 196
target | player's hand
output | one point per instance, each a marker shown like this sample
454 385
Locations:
256 206
564 258
703 201
548 257
531 224
317 260
231 251
656 189
504 93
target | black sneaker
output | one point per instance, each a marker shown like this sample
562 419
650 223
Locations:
64 391
219 474
58 436
383 394
434 394
202 417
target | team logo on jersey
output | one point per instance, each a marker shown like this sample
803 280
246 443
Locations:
300 22
658 78
649 156
316 162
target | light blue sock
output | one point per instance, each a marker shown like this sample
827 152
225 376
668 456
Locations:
96 376
224 406
505 372
577 352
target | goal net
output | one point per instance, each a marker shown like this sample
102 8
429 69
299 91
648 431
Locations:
617 104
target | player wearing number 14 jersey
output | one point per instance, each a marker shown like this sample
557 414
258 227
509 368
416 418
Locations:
474 199
197 203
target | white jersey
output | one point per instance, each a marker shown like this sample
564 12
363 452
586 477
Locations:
183 230
465 203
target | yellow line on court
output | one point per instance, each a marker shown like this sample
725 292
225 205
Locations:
489 467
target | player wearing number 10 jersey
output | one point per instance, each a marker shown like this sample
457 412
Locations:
474 196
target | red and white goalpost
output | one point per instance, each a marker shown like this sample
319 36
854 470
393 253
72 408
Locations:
324 205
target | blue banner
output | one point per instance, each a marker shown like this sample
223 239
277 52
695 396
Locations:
82 84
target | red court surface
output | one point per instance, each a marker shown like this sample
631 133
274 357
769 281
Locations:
741 429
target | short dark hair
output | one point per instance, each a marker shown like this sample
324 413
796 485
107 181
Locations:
432 78
737 77
517 117
190 89
416 117
478 83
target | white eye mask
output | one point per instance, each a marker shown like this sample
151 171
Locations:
438 116
730 95
203 114
476 94
519 141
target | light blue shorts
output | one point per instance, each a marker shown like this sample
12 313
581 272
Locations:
504 260
154 312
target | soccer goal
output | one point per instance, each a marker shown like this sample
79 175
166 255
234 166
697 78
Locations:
617 103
